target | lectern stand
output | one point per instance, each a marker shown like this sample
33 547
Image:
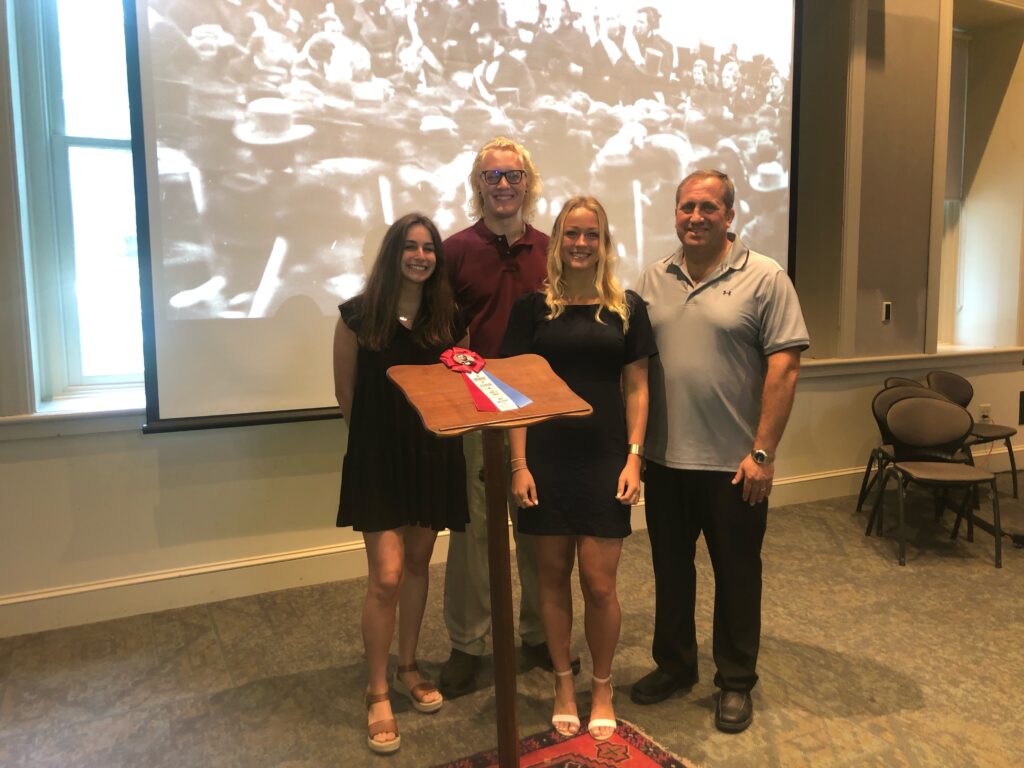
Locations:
443 402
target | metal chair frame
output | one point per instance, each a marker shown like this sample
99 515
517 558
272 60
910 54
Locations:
926 435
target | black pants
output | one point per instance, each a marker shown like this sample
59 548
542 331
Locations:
680 503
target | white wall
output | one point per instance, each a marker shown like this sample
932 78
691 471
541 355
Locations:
99 525
85 514
993 215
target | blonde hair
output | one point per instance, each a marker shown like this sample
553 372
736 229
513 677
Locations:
610 294
476 203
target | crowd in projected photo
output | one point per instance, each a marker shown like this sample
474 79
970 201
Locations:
289 133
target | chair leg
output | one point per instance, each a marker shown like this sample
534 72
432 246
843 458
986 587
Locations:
970 514
881 507
1013 466
975 499
998 529
903 527
962 511
867 481
876 510
940 502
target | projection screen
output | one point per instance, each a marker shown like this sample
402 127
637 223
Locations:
281 137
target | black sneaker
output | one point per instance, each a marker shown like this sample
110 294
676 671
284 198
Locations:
735 711
657 685
537 655
458 675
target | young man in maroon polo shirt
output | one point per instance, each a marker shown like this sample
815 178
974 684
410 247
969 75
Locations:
491 264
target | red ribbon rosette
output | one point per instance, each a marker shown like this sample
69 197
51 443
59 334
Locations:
488 392
462 360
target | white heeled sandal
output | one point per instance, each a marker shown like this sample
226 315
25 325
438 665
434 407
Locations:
602 722
570 723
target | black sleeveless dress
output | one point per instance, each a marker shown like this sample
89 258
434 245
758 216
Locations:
396 473
576 462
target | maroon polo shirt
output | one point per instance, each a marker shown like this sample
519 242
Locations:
488 276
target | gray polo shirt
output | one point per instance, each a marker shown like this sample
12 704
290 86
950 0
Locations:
713 339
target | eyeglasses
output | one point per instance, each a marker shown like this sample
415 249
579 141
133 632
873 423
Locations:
494 177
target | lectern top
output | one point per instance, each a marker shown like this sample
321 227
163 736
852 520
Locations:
442 400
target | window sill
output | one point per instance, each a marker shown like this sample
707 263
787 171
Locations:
83 413
944 357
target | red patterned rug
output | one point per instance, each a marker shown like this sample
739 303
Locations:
628 747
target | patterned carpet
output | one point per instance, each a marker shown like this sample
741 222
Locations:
628 747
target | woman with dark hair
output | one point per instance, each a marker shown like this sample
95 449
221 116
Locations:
576 479
400 484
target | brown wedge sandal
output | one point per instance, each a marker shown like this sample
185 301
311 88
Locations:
381 726
418 692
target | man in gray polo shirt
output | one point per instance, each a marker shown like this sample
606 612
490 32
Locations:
730 333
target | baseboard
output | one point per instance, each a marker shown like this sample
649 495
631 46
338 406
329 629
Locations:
819 485
163 590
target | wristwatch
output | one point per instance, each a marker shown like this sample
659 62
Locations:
759 456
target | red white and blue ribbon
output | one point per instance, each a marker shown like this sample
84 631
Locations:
489 393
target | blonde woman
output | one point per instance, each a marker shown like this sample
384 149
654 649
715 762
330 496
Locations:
576 479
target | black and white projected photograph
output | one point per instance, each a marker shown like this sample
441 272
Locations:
287 134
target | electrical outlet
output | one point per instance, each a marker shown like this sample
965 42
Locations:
985 409
886 311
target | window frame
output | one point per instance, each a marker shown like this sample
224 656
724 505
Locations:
43 150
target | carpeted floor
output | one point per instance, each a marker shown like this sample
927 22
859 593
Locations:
862 663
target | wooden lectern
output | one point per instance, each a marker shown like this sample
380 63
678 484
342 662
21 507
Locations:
443 402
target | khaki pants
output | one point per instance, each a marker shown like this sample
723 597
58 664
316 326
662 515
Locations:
467 596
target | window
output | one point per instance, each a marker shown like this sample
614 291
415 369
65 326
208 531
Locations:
984 226
77 192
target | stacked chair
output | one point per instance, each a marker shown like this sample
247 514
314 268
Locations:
959 390
927 434
925 439
883 454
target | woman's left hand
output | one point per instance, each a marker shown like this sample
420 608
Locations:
524 489
629 482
